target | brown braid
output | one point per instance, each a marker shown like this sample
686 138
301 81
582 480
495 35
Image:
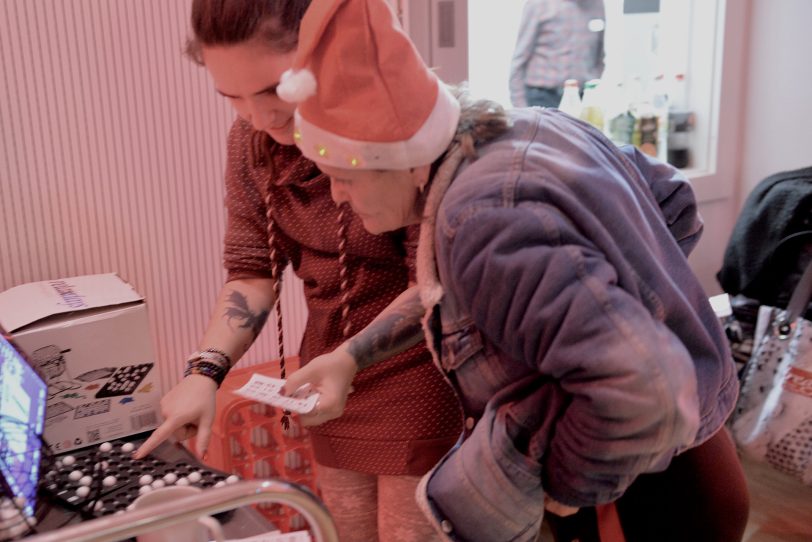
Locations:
260 155
277 293
343 274
261 148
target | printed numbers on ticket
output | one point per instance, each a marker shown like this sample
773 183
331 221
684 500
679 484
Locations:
266 390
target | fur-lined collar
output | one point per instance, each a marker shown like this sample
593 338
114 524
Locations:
431 291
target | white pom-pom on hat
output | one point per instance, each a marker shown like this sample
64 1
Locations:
296 86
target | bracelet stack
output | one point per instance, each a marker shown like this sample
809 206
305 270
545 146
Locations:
211 362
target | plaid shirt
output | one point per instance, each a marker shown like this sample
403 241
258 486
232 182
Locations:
556 43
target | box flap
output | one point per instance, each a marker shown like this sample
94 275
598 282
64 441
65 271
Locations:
27 303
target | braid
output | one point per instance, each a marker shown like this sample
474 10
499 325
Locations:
261 148
343 273
277 293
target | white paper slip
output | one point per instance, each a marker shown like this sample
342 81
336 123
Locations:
266 390
721 305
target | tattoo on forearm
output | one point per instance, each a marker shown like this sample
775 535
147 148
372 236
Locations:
240 311
393 332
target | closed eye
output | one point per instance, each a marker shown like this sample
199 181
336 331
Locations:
267 91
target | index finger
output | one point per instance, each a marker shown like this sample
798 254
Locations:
161 433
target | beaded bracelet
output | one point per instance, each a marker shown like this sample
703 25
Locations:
211 370
213 355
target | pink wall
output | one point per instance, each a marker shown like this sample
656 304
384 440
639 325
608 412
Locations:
778 114
111 160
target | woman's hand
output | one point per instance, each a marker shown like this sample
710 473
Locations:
331 376
188 410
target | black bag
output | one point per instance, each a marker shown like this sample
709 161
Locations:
771 243
769 249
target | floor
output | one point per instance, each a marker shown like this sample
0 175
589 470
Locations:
780 511
781 507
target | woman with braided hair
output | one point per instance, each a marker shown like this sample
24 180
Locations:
402 416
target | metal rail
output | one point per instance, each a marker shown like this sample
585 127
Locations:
210 501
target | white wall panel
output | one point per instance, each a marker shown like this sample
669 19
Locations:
111 160
778 113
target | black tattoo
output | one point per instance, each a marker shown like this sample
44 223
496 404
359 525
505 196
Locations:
395 330
242 312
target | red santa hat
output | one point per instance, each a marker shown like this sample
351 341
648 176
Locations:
366 99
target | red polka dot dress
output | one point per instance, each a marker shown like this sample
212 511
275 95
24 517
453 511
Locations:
402 416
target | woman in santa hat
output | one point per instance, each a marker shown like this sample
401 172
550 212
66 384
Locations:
558 298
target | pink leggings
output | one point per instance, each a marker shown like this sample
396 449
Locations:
366 507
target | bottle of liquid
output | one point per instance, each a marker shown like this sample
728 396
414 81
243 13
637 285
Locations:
571 99
620 121
645 129
678 93
644 136
660 105
592 110
680 124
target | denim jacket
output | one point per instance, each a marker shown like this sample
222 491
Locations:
582 346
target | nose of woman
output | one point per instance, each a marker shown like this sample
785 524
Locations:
262 119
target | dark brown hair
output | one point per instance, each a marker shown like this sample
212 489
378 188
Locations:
230 22
480 121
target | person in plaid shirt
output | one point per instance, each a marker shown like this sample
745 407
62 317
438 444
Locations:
558 40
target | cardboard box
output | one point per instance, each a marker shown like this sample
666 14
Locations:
89 338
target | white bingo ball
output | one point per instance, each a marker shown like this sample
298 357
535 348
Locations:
85 480
83 491
127 447
68 460
233 479
75 475
105 446
145 480
195 477
182 482
158 484
170 478
143 490
109 481
220 484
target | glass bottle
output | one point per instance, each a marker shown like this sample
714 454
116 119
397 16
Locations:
680 124
660 105
620 121
571 99
645 119
592 110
